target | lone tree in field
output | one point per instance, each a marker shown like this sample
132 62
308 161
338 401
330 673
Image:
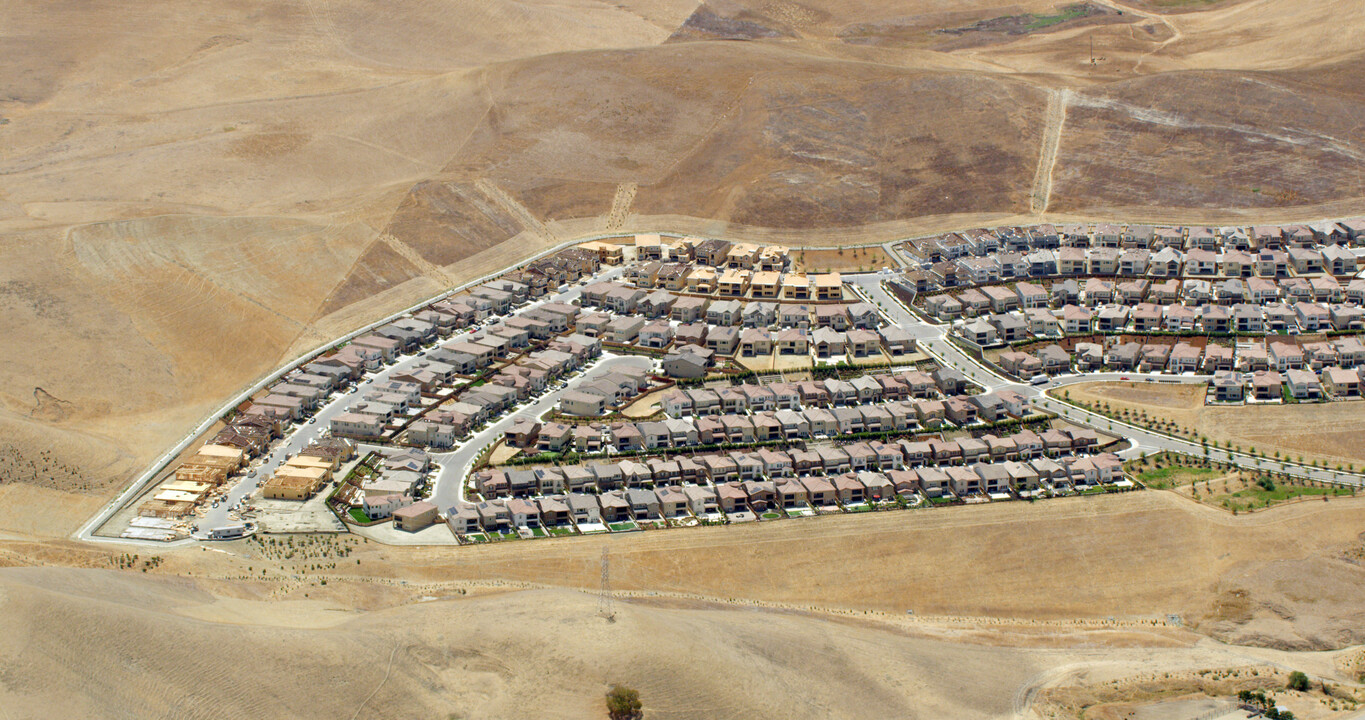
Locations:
1298 681
623 703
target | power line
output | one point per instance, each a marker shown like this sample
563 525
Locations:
605 608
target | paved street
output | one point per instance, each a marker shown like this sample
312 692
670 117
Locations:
301 436
454 466
449 485
932 339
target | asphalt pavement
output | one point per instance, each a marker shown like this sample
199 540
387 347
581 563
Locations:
932 338
304 434
448 487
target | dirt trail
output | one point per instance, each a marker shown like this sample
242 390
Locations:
1047 156
414 257
1154 17
524 216
620 205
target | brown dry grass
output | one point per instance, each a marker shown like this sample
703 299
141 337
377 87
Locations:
100 643
1001 560
983 581
193 193
497 655
1328 432
645 406
849 260
1180 694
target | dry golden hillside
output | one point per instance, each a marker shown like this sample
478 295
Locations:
98 643
787 619
129 643
191 194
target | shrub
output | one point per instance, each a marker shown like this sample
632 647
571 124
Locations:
623 703
1297 681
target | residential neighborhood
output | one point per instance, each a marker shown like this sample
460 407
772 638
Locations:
668 380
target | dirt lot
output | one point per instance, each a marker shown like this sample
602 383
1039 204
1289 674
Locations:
646 406
502 453
1329 432
779 363
850 260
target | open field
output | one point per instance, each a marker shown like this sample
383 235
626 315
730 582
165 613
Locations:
850 260
1135 555
980 579
1329 432
98 643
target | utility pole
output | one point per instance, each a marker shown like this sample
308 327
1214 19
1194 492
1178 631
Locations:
604 601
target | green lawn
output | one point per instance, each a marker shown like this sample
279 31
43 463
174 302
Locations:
1068 13
771 516
359 516
1257 496
1176 475
622 526
476 538
561 531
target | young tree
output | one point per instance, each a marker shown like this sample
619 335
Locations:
623 703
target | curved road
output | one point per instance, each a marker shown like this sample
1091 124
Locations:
448 487
932 339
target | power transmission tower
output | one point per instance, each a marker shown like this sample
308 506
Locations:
604 601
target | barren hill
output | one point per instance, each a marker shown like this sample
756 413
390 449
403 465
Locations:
97 643
191 194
